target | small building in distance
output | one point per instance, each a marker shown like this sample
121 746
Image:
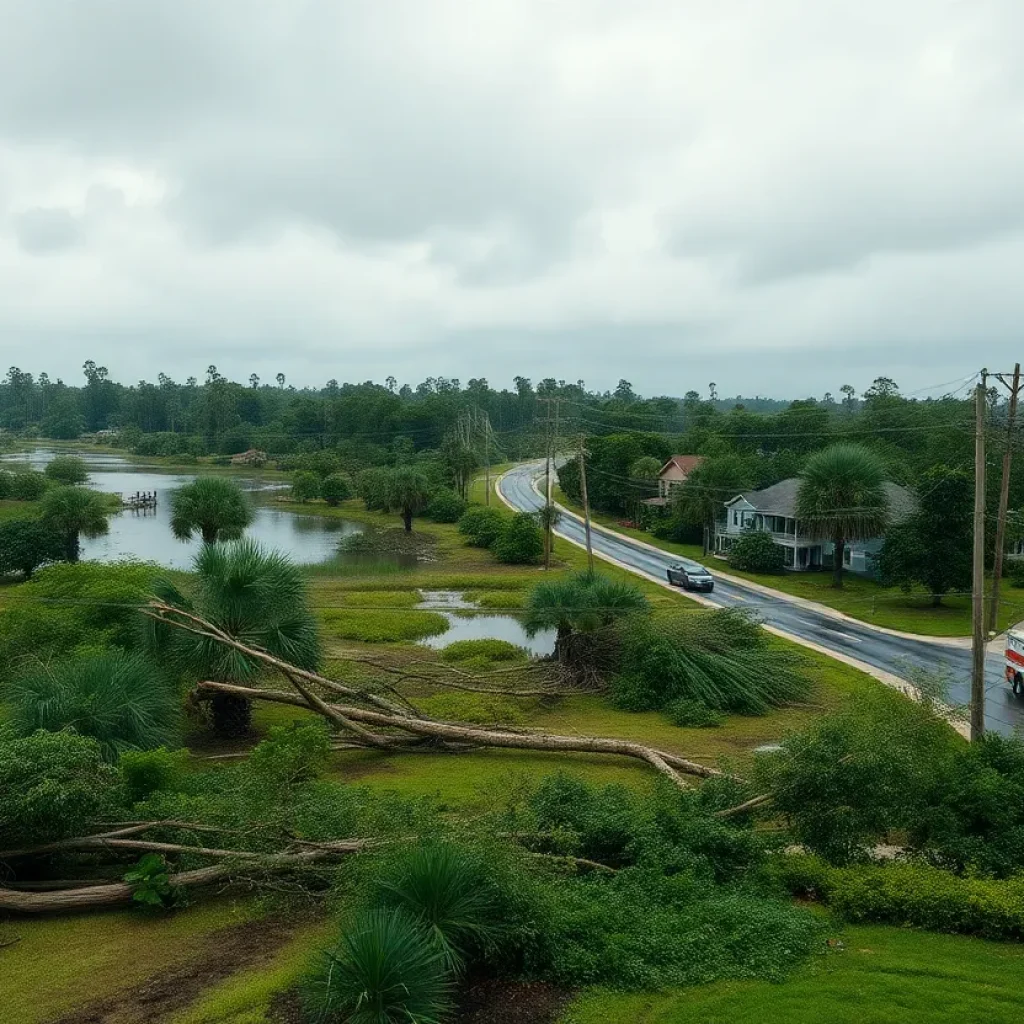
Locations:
253 457
674 473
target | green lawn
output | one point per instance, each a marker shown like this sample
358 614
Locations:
882 976
859 598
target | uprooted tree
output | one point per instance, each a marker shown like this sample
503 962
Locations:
358 716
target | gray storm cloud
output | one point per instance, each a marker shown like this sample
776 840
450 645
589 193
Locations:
779 197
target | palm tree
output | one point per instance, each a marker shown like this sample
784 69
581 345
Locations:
258 597
118 698
578 607
211 505
409 493
74 512
842 498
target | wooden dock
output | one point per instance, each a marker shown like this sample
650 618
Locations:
139 500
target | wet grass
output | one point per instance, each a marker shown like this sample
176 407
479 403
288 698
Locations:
882 976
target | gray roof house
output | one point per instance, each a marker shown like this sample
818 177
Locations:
773 509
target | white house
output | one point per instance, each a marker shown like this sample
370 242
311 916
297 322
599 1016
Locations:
773 510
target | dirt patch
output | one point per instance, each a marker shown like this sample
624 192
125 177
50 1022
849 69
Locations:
160 996
490 1001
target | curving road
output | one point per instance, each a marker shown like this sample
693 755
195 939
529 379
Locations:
1003 711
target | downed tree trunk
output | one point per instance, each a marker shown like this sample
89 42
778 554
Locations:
119 893
668 764
350 718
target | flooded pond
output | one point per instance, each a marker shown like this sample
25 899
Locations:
147 534
466 621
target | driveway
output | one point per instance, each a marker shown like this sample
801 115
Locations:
854 642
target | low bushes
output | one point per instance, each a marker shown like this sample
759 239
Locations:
381 625
305 486
445 506
913 894
486 649
520 541
688 713
67 469
120 699
481 526
755 551
25 486
54 785
335 488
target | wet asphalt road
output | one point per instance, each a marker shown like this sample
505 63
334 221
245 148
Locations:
1003 711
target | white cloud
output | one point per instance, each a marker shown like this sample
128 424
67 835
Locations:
775 196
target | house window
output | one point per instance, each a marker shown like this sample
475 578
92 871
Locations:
847 556
788 557
735 519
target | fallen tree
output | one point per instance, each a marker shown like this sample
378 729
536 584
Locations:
403 721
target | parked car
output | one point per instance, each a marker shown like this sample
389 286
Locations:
691 577
1015 661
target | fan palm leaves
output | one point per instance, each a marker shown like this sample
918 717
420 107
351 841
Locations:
211 506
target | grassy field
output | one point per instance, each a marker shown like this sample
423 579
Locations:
859 598
210 974
881 976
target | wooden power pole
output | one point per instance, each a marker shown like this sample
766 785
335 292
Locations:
1004 499
586 504
978 576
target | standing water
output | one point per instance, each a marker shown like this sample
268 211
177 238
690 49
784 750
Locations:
146 534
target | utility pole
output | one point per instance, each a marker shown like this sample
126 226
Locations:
586 503
978 575
549 447
487 459
1004 499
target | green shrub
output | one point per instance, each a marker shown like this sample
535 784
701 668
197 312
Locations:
856 775
26 544
145 772
641 930
906 893
755 551
67 469
374 487
293 754
447 890
481 525
305 486
54 785
68 608
1016 571
520 541
118 698
686 712
336 488
375 625
384 970
722 659
486 649
27 486
445 506
972 820
5 485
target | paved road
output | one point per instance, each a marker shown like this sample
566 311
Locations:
1003 712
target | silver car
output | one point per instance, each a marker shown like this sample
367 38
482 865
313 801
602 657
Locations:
691 577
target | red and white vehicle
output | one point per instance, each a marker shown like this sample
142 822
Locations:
1015 661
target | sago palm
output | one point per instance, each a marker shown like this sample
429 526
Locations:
842 498
215 508
120 699
72 513
385 970
259 598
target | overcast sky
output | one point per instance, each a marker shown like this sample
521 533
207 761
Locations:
781 196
